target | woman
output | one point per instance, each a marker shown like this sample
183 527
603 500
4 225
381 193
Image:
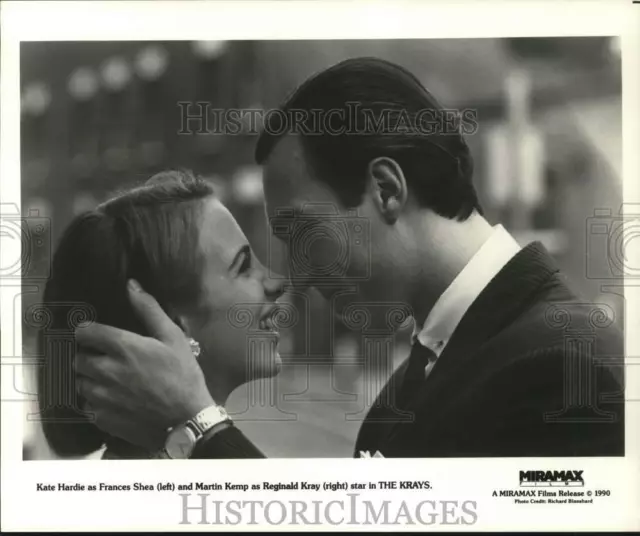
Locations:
183 246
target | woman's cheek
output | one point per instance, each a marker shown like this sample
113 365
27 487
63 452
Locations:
233 345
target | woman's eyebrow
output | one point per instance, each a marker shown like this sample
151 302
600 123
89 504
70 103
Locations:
245 249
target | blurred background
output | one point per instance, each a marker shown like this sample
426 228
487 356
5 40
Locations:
101 116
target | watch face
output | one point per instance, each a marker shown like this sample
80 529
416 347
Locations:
180 443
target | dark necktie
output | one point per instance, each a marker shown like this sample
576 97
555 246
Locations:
414 376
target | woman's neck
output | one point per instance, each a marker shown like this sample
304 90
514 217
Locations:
220 387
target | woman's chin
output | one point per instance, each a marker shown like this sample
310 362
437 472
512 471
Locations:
272 366
278 362
266 365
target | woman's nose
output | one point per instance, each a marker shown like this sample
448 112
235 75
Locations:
274 286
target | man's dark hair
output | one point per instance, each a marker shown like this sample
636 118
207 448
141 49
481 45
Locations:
376 98
149 234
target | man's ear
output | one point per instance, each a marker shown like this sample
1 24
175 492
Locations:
389 187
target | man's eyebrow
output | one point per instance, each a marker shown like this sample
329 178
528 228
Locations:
245 249
286 213
283 215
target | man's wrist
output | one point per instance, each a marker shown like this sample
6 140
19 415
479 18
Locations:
202 445
208 418
182 439
194 406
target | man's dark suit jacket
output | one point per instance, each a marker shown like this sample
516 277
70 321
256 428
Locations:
531 370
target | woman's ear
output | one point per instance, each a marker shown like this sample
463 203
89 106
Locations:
182 323
389 187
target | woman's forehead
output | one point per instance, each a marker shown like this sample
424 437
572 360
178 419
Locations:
220 234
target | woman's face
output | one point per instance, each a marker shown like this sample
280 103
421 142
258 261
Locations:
233 321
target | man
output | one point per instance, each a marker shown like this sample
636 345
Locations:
495 369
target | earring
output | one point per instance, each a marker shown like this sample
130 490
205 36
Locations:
195 348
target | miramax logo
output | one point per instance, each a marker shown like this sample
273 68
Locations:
551 478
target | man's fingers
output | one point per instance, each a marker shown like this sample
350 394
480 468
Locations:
99 368
93 392
101 338
148 310
85 358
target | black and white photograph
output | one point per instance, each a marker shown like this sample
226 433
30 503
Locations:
289 262
350 247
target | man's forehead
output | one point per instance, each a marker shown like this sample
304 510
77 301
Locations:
285 162
285 175
288 180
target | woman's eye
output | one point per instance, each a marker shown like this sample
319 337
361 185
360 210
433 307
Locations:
245 263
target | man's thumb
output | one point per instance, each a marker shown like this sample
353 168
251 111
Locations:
148 310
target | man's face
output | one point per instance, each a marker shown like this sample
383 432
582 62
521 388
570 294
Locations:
326 245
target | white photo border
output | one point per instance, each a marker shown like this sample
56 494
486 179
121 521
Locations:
454 479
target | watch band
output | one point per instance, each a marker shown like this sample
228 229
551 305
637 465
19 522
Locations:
207 419
182 440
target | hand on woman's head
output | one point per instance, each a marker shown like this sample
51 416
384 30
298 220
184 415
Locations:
188 252
139 386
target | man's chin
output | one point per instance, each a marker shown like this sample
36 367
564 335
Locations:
337 293
340 298
277 366
357 312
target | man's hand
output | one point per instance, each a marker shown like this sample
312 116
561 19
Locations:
140 386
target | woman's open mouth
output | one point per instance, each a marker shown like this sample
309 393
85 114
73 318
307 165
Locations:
267 323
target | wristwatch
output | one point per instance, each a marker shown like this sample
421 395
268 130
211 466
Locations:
182 439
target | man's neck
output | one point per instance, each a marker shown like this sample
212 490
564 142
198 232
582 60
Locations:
446 247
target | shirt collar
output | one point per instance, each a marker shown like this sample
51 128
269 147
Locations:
454 302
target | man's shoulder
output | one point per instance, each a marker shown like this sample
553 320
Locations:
556 317
554 341
557 333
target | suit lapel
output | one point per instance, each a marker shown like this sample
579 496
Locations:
382 416
498 304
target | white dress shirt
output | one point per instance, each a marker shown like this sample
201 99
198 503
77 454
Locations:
454 302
